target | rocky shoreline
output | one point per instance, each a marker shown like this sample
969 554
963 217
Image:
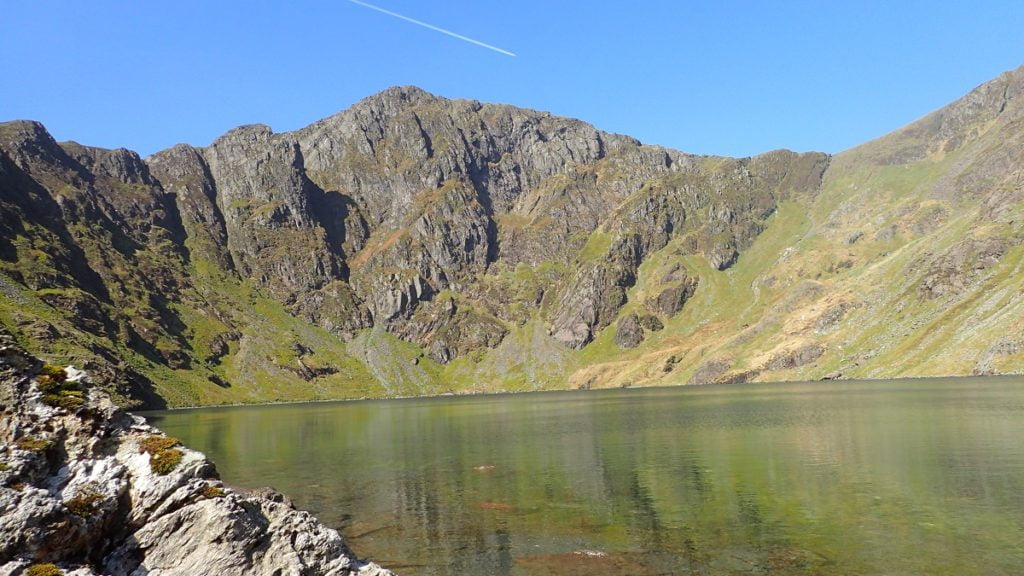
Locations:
86 489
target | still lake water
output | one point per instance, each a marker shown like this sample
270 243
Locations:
888 477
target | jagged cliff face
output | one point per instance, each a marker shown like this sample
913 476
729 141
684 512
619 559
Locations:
408 196
414 244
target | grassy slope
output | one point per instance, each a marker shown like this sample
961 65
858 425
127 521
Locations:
258 368
817 256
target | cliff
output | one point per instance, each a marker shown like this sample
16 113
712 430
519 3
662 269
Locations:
418 245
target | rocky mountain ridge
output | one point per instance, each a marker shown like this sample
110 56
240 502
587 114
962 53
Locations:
417 245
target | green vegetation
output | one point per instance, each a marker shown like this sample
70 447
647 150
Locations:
33 444
165 461
85 502
212 491
163 456
156 443
596 247
50 377
57 391
43 570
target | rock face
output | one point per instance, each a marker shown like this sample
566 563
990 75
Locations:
363 220
629 333
801 356
954 271
97 491
671 300
483 235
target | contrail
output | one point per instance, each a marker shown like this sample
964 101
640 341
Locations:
430 26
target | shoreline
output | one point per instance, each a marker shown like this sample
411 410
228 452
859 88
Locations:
87 488
714 385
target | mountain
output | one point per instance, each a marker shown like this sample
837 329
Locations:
418 245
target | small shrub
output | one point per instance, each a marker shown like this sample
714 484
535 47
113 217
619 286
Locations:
156 443
48 385
57 391
212 491
165 460
163 456
84 503
43 570
54 371
32 444
51 378
3 466
68 402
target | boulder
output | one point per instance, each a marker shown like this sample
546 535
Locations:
629 333
94 489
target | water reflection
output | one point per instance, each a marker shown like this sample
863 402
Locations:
840 478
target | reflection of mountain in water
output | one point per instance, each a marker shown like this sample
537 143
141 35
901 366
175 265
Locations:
822 478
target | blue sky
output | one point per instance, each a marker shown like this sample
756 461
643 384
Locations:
715 77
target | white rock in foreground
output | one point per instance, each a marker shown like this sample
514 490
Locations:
77 490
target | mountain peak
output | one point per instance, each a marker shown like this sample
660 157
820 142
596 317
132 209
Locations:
951 126
396 97
406 92
246 133
27 141
20 133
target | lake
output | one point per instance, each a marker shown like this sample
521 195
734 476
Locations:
883 477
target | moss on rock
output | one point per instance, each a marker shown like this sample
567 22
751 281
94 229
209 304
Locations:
43 570
163 456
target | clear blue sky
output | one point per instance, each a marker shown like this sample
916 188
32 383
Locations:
711 77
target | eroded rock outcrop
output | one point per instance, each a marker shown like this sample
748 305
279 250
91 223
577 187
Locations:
629 333
952 272
95 490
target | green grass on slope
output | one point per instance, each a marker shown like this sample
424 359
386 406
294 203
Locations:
526 360
395 367
263 362
859 250
951 339
723 303
897 332
22 310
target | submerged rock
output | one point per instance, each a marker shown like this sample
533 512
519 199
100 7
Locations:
95 490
